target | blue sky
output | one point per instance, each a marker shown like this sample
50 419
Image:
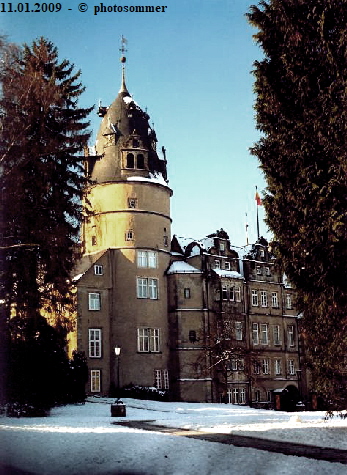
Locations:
190 67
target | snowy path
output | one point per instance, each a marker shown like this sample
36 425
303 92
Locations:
277 446
83 440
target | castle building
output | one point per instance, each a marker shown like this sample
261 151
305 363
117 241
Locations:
201 320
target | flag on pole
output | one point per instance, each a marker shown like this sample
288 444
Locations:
258 199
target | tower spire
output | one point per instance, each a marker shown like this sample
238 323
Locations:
123 50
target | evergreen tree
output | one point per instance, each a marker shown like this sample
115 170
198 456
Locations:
301 107
43 132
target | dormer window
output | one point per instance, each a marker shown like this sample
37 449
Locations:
130 160
136 143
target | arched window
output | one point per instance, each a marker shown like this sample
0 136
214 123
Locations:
130 160
140 161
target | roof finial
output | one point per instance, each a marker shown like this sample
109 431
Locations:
123 59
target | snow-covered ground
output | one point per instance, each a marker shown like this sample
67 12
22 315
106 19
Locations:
84 439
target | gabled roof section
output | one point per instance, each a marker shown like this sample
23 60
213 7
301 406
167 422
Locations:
84 264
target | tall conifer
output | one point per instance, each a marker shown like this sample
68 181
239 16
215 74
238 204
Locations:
43 134
301 107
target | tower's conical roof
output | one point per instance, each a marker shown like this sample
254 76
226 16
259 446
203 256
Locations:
123 123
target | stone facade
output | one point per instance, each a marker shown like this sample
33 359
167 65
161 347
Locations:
202 320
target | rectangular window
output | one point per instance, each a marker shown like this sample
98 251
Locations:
98 270
224 293
147 288
291 367
238 331
257 395
217 264
157 379
290 332
147 259
94 343
227 265
267 271
259 270
255 333
94 301
238 293
274 300
277 334
278 367
264 336
95 381
289 301
166 378
233 364
187 293
256 367
242 396
255 298
153 289
129 235
263 298
265 366
93 240
148 340
142 288
232 293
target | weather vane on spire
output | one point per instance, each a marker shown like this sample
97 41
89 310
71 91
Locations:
123 49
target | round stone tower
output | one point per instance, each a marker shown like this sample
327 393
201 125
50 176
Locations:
126 238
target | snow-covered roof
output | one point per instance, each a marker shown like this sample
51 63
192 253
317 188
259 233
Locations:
181 267
153 178
228 273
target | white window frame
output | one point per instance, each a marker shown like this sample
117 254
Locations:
239 331
95 380
276 333
237 291
94 301
217 264
265 366
263 298
264 334
166 379
242 396
267 271
289 304
224 292
94 342
147 288
255 333
274 300
148 340
278 366
259 270
291 367
98 269
290 335
255 298
153 290
187 293
158 379
147 259
142 287
227 265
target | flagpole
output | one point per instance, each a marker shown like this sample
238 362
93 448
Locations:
256 195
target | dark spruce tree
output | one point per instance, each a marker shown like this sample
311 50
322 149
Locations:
301 108
43 134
